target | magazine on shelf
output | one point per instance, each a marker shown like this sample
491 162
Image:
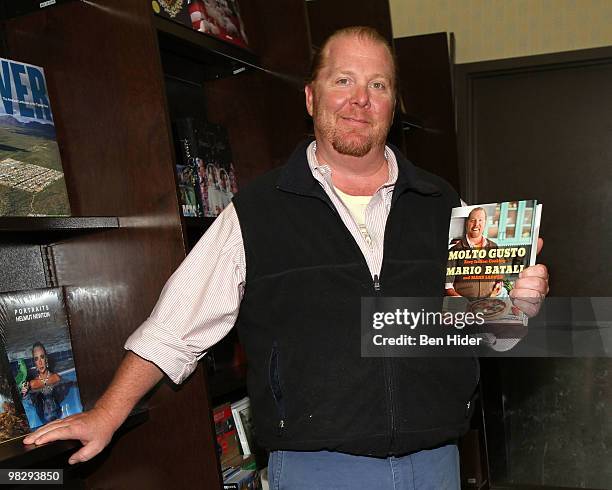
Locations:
489 245
35 331
205 168
186 169
227 437
216 172
242 480
241 411
218 18
175 10
31 175
13 420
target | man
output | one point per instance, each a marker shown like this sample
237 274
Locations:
292 257
475 225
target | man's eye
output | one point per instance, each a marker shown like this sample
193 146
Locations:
378 85
342 81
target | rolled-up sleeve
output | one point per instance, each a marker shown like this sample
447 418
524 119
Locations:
199 304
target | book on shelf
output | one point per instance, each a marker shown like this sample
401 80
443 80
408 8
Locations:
216 172
242 479
31 175
175 10
186 170
489 245
205 167
228 445
35 332
218 18
241 411
13 420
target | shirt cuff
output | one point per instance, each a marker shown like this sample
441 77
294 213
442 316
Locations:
156 343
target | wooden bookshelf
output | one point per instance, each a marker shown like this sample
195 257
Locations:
215 57
107 68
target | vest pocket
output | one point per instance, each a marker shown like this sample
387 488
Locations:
275 385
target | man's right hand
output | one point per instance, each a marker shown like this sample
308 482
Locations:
93 428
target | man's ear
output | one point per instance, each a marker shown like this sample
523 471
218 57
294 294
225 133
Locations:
309 98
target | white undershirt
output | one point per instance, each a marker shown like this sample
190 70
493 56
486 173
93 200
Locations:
357 207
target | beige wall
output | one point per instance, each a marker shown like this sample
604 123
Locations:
493 29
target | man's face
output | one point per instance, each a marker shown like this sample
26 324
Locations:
352 99
475 224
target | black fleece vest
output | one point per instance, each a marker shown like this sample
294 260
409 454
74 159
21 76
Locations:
299 319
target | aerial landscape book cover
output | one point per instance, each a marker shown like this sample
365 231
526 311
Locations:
31 175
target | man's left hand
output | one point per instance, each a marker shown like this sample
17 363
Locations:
531 287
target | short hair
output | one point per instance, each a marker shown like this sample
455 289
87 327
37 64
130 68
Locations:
361 32
477 209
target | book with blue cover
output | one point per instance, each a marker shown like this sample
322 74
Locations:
31 175
35 332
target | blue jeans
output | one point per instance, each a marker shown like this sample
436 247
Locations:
435 469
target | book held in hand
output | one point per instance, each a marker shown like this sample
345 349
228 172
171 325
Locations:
489 245
31 176
35 332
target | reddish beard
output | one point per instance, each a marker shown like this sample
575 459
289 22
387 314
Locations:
356 142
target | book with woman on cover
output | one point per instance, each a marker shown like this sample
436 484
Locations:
34 328
489 245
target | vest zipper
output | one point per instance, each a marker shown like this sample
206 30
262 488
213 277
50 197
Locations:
388 370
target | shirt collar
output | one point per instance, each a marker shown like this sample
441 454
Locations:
325 171
297 176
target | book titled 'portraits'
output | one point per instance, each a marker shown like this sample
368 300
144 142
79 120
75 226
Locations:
35 331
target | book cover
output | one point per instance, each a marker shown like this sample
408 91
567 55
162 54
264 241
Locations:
186 169
216 172
241 411
242 480
176 10
35 331
31 176
13 421
489 245
227 437
218 18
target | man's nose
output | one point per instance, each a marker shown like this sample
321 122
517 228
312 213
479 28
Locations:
361 96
